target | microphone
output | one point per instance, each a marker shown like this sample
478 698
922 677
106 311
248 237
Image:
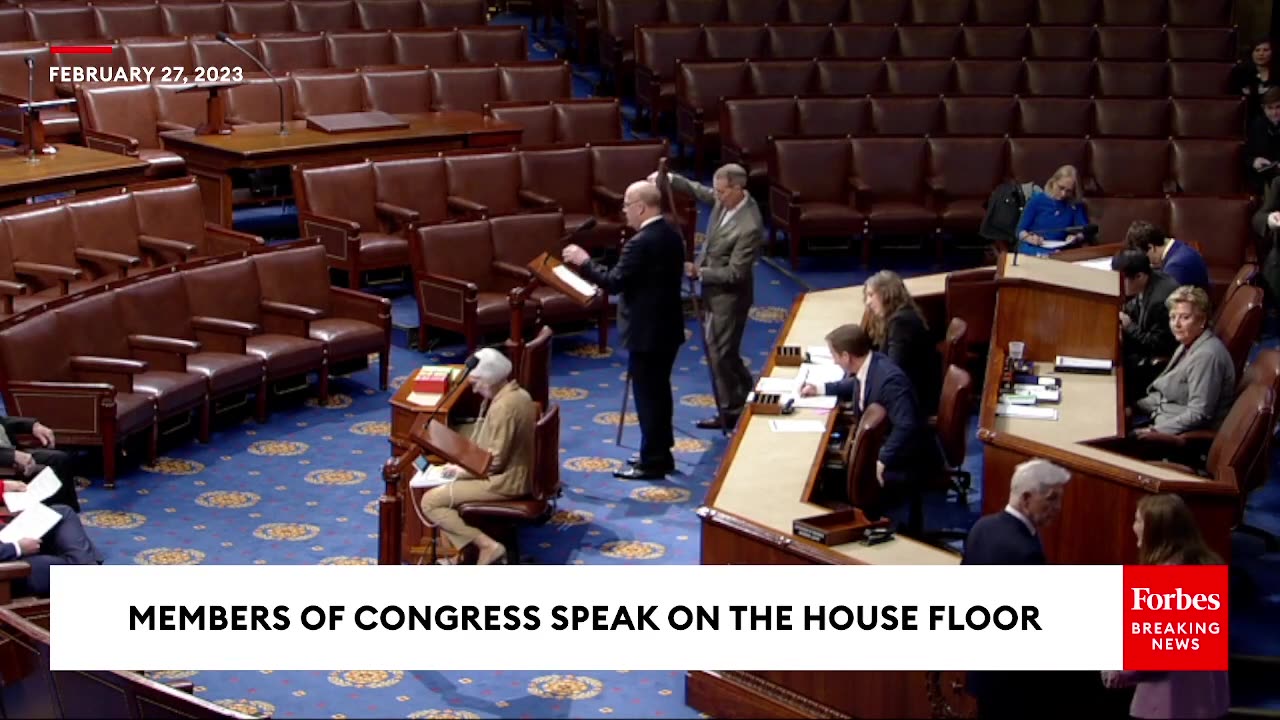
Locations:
30 61
416 452
587 226
225 38
32 151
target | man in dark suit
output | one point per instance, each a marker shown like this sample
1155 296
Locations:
647 278
1144 320
871 377
65 544
1175 258
28 464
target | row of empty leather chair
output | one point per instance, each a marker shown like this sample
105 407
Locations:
53 249
619 18
86 21
365 212
121 360
747 124
700 85
923 186
575 121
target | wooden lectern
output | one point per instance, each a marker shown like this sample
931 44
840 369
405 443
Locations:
547 270
215 122
33 129
435 439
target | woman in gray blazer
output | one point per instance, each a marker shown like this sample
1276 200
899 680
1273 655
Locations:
1197 387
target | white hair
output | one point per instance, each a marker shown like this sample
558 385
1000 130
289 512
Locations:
493 368
1036 477
733 174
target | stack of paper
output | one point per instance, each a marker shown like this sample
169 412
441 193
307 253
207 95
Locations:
778 386
431 476
819 375
1099 264
574 280
1026 412
34 519
38 490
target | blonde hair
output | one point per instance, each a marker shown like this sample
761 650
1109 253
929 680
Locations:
1059 175
1197 298
893 297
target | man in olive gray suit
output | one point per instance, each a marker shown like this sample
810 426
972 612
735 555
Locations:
725 264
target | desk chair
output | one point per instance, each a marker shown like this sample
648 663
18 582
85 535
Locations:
971 296
954 347
1246 275
1264 370
1240 322
862 488
951 424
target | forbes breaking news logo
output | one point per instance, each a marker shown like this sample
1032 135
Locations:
1175 617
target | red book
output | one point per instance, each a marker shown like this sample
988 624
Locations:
431 381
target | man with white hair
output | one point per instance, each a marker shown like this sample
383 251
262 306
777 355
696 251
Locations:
506 429
725 268
650 319
1012 536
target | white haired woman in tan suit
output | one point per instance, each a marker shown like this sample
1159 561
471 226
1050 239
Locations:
506 429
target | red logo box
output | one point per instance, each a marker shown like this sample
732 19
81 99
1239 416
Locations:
1175 617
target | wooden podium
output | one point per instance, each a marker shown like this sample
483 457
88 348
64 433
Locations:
1058 308
547 269
33 129
215 122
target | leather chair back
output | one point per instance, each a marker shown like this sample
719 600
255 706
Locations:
210 294
91 326
286 53
1203 13
659 47
1067 12
753 11
42 234
1244 276
6 255
791 166
530 81
13 72
914 116
262 16
320 92
966 167
1207 117
1133 12
1114 215
971 296
493 43
918 77
210 52
817 11
351 49
1200 79
1240 443
156 306
1207 167
435 48
1063 78
342 191
953 414
388 14
451 13
322 15
13 24
59 21
170 209
890 167
797 41
106 222
157 52
517 239
416 183
1239 324
692 11
1139 41
128 110
546 456
562 174
587 120
988 77
32 350
1131 117
193 18
1055 116
928 41
955 346
701 84
179 108
616 165
299 276
1136 168
436 249
878 12
832 116
849 77
537 119
257 100
534 372
980 116
861 485
464 88
780 77
1133 78
1218 225
939 12
396 89
491 179
1036 159
1009 40
749 123
1264 370
864 42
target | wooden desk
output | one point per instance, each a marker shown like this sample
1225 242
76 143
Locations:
747 520
1058 308
212 158
414 541
71 168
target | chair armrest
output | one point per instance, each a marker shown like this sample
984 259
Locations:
607 198
221 240
160 343
9 287
402 216
110 142
14 570
349 227
290 310
165 245
467 207
224 326
534 199
512 271
356 305
121 261
166 126
1163 439
62 275
110 365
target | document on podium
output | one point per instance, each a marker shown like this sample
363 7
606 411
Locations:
38 490
34 522
574 280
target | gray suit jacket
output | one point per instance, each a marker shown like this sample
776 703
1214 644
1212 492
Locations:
730 253
1196 389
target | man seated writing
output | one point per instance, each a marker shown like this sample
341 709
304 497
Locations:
508 418
29 464
65 544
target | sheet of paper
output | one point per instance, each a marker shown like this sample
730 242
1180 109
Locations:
432 476
425 399
820 375
797 426
38 490
1053 244
817 402
33 522
1026 412
1083 363
777 386
1099 264
820 354
574 280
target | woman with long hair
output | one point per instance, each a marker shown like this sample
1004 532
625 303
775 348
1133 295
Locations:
898 329
1167 535
1048 215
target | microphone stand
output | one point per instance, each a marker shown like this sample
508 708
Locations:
279 88
32 150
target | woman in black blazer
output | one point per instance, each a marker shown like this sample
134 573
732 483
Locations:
898 329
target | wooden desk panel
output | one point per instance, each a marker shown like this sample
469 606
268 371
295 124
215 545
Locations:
211 158
71 168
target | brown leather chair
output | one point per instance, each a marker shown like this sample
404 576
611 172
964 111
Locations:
817 11
534 80
1114 215
1034 159
878 12
156 310
695 12
849 77
82 407
970 295
1234 449
292 51
988 77
339 204
13 24
323 92
263 16
906 116
753 11
699 87
396 89
172 224
416 184
1133 78
1204 13
59 21
1004 12
1055 117
322 15
889 181
1264 371
157 53
1066 12
856 41
803 203
108 240
533 368
211 52
1006 42
464 87
832 116
862 488
1206 117
432 48
1134 42
1219 226
963 172
537 120
1240 322
504 517
238 323
798 40
193 18
388 14
122 119
451 13
779 77
614 166
15 294
980 116
100 348
1245 276
617 22
352 325
928 41
1064 78
177 110
42 249
487 185
463 292
918 77
747 124
939 12
1206 167
586 120
1131 117
658 49
564 176
1200 79
951 424
1135 12
954 348
351 49
493 43
519 239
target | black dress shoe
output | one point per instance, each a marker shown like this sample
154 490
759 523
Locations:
639 472
716 423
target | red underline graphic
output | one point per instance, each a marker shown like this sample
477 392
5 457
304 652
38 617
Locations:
81 49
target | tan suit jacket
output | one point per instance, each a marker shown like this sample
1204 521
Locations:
506 429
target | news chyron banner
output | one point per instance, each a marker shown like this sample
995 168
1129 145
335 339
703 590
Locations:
640 618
